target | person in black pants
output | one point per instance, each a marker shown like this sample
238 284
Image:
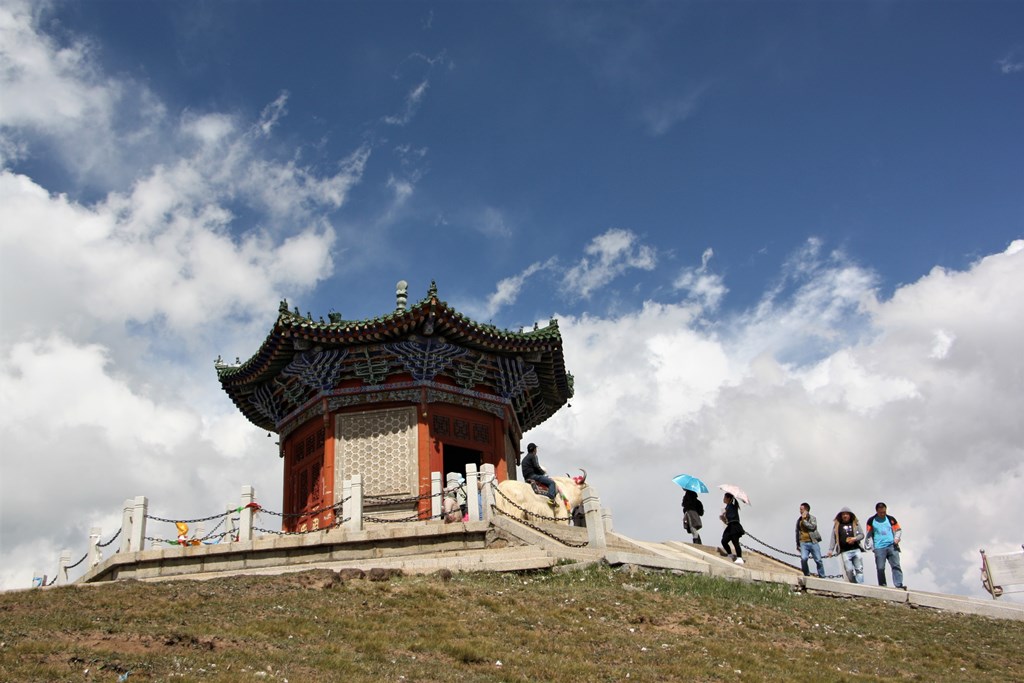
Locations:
733 529
532 471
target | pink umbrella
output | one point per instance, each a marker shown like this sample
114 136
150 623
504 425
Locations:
736 491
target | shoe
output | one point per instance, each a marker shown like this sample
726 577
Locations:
739 560
552 502
902 588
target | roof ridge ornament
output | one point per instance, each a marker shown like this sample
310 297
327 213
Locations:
432 292
401 295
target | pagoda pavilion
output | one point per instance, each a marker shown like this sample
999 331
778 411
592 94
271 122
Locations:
423 389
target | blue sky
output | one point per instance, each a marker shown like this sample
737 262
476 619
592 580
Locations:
777 237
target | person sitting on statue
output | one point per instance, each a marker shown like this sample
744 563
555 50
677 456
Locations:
532 471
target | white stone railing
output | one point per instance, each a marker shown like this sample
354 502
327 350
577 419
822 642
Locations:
238 520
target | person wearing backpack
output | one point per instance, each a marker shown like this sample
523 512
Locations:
693 510
883 537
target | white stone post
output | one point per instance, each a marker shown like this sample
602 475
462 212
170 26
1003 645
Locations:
140 508
38 579
606 515
246 515
487 480
595 524
62 572
126 525
355 503
95 554
472 491
435 495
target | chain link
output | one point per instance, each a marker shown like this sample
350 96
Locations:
538 529
104 545
783 552
188 521
520 507
80 561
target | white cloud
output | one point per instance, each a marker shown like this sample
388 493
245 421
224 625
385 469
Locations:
113 309
412 103
607 256
703 286
879 417
48 86
660 118
1012 63
507 291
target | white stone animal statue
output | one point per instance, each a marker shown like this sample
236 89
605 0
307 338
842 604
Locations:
517 499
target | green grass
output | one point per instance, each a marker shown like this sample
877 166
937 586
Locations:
597 625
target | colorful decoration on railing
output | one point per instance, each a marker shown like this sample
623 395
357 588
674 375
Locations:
183 538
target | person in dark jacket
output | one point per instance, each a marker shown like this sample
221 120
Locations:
532 471
733 529
693 510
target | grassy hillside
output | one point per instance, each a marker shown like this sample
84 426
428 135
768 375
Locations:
599 625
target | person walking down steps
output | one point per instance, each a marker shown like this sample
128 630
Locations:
693 510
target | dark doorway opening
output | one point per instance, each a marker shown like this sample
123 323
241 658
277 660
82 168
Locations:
455 459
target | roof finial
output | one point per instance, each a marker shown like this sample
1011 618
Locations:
283 307
432 292
401 295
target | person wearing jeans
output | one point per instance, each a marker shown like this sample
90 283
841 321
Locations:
807 540
884 534
846 539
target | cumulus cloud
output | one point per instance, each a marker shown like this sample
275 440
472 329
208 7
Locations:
701 285
115 307
607 256
507 290
879 416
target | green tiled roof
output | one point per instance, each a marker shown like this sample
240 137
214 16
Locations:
494 353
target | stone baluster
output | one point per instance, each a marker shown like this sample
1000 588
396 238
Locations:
435 495
472 492
595 523
246 515
487 490
126 525
62 571
354 506
95 553
140 508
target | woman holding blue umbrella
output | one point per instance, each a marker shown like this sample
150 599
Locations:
693 509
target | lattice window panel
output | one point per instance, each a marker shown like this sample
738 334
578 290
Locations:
381 446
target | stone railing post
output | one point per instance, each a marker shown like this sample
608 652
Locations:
140 508
95 554
354 507
435 495
126 525
230 510
472 492
487 490
62 571
595 523
246 515
606 515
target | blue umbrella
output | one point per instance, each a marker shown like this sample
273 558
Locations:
691 483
